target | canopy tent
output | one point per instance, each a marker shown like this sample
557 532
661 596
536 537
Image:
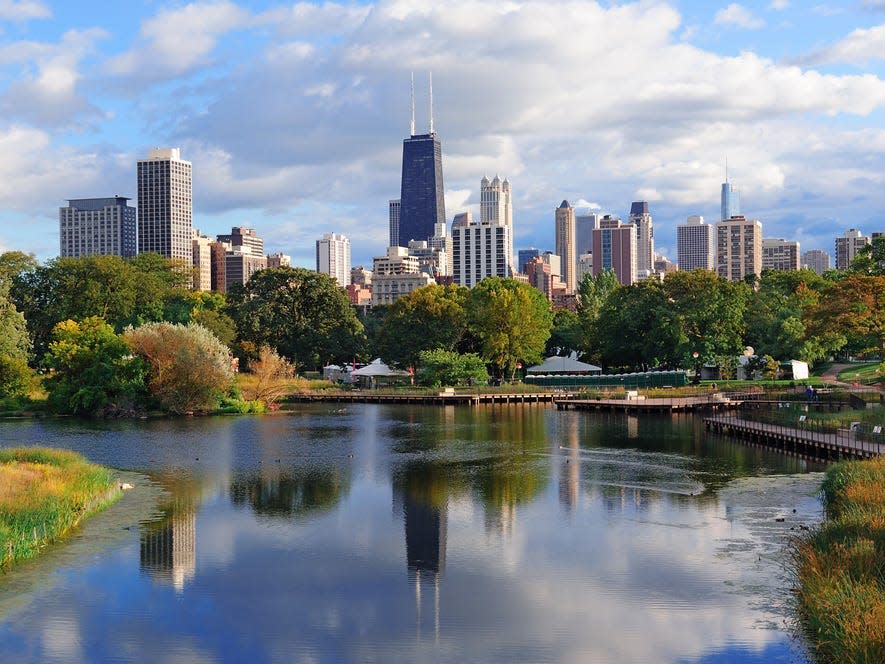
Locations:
376 371
566 365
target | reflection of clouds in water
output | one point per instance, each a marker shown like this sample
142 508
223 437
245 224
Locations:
61 639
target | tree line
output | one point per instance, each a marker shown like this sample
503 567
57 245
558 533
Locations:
112 333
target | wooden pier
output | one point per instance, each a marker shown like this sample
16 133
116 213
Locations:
706 402
445 399
843 444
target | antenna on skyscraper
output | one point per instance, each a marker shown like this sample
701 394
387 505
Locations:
431 102
412 95
726 168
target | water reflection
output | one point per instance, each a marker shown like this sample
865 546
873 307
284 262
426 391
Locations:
515 534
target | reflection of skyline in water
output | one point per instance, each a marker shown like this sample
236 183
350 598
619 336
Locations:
593 510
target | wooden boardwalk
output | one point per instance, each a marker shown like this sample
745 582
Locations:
705 402
799 442
370 396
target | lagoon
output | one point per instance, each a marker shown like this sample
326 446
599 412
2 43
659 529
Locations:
418 533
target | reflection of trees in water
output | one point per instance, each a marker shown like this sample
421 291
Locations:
289 493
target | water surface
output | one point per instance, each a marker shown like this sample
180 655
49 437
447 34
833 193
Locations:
380 533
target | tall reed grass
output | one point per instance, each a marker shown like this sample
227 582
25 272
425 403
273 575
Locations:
841 567
44 493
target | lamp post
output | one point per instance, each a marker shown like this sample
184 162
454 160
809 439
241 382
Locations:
697 367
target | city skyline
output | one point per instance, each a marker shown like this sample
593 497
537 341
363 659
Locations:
293 115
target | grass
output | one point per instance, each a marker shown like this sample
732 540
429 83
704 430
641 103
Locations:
44 493
841 567
861 373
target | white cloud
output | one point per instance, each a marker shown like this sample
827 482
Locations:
779 5
22 10
176 41
739 16
860 47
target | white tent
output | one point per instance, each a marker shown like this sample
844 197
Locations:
567 365
376 369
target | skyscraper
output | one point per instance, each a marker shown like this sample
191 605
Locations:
496 204
731 201
165 205
393 219
91 226
696 244
333 257
645 238
738 248
565 244
584 226
422 202
847 246
614 248
479 251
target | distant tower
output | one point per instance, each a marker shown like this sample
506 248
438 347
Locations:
614 248
565 244
422 202
333 257
847 246
817 260
165 205
393 216
645 238
496 205
584 225
731 199
94 226
779 254
696 245
738 248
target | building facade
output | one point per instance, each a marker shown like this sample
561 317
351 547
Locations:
641 219
585 224
847 246
165 205
480 250
779 254
696 244
738 248
202 253
730 204
496 204
98 226
816 260
566 245
333 257
393 208
614 248
524 256
422 202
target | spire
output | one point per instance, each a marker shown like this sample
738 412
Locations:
431 102
412 95
726 168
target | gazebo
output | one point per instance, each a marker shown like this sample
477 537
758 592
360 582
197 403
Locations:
377 372
558 364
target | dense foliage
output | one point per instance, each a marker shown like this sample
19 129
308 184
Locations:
445 367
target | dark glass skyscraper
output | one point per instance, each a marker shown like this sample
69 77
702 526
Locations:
422 202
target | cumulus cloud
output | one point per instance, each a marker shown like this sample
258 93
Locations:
22 10
779 5
860 47
739 16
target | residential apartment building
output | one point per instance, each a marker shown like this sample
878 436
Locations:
614 248
780 254
97 226
696 244
738 248
165 205
333 257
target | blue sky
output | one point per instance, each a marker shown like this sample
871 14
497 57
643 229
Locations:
293 114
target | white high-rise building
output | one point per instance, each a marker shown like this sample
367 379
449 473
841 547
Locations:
333 257
566 245
496 205
696 244
480 250
640 217
165 205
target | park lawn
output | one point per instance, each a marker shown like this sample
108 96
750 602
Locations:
44 493
862 373
841 567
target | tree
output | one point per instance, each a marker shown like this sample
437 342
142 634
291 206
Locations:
271 376
512 321
92 371
593 291
188 368
870 259
851 313
429 318
566 336
15 347
708 315
444 367
303 315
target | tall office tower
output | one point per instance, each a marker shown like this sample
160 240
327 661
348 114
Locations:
780 254
816 260
165 205
201 246
333 257
738 248
584 226
524 256
565 244
847 246
645 238
614 248
496 204
731 201
422 204
695 244
481 250
93 226
393 208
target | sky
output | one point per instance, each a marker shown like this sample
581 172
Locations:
293 114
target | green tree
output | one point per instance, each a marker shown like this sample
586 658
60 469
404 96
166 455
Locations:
851 313
445 367
92 371
593 291
869 259
15 346
567 336
512 321
301 314
429 318
189 369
